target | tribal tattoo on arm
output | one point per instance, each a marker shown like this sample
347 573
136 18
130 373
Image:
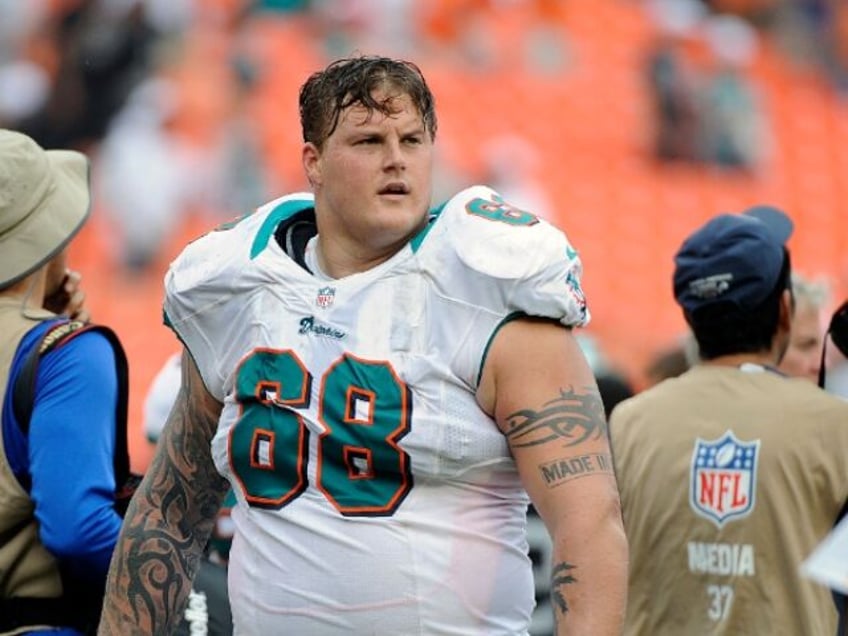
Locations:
561 575
574 416
168 521
571 417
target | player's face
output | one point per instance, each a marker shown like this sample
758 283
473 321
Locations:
803 354
372 179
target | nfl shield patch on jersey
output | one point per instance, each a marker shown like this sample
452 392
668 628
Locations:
325 297
724 475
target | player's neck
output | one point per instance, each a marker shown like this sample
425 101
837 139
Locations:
338 260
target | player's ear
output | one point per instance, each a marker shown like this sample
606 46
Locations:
310 157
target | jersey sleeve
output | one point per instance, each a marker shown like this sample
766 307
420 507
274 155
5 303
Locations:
524 264
195 294
494 262
207 284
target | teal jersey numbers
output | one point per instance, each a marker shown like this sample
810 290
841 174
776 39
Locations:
496 209
365 410
269 441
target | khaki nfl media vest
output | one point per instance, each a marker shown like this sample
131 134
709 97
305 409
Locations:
27 569
729 478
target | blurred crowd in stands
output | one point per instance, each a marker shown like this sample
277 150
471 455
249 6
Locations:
106 77
707 107
103 76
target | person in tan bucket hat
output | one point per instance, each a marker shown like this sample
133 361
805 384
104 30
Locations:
44 202
63 455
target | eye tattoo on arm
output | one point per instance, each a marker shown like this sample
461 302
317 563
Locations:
571 417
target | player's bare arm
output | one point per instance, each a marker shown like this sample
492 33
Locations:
543 395
151 572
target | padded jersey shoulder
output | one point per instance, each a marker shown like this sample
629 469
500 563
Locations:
221 263
207 284
499 244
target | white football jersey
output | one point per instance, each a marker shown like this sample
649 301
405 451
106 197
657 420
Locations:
374 495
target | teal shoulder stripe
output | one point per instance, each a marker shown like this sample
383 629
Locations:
285 210
418 239
508 319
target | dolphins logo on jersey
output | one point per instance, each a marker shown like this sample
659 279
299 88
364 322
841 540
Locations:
572 285
724 478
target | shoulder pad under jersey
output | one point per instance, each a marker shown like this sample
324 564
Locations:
205 281
530 261
220 261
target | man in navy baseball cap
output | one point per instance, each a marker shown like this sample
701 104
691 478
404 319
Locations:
731 455
732 263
